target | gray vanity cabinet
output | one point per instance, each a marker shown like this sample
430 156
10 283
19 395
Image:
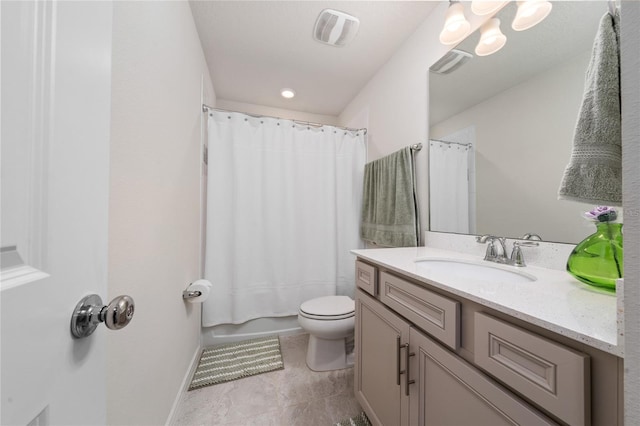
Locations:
379 367
469 364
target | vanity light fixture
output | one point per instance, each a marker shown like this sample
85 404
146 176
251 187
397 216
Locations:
287 93
456 26
491 38
530 13
482 7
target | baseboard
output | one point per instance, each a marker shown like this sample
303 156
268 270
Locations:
184 386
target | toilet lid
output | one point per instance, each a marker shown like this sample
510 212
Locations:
332 306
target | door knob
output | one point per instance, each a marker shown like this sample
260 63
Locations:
90 312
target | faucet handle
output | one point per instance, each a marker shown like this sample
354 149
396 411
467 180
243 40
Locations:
491 252
527 243
517 258
483 238
530 236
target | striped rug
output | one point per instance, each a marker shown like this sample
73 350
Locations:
359 420
231 361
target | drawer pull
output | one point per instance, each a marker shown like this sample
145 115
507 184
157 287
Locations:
406 360
407 354
398 348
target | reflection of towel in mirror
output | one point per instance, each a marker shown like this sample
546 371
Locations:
594 173
388 201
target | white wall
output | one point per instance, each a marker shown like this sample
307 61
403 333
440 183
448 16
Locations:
154 236
522 149
396 100
276 112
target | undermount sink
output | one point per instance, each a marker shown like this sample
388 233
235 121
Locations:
441 268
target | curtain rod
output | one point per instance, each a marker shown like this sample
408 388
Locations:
449 143
207 108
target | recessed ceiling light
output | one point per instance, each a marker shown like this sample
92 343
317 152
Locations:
288 93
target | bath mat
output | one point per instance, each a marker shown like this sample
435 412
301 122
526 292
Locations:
231 361
359 420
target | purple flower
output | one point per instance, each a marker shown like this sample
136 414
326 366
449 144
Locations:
602 214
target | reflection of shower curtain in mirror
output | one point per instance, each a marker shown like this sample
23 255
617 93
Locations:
283 211
448 187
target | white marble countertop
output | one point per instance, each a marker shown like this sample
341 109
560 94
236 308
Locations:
555 301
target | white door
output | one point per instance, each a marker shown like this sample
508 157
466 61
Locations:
56 77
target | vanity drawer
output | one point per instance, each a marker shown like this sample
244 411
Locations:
367 278
435 314
549 374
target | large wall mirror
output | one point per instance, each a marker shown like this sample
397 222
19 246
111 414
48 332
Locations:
509 117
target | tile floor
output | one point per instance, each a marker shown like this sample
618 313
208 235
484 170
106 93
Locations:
293 396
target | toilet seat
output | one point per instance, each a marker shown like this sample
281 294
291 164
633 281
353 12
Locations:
328 308
326 317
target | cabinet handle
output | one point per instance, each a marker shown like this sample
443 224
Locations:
406 360
407 354
398 348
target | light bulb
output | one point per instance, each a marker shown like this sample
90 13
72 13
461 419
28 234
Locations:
287 93
453 26
530 13
456 27
491 38
485 7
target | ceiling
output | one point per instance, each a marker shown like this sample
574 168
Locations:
256 48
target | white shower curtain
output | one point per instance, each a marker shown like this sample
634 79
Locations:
448 187
283 212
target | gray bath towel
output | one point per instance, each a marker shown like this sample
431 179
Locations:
388 201
594 173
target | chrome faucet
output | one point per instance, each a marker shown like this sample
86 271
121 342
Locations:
498 252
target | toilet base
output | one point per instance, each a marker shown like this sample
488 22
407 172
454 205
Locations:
326 355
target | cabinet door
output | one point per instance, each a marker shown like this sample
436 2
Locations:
379 362
449 391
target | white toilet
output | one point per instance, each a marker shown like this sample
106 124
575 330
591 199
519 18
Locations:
329 320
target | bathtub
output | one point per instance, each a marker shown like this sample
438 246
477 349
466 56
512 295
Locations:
259 327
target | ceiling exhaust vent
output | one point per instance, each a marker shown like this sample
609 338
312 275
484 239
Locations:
335 28
450 62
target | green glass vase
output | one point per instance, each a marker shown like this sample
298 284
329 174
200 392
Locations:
598 260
